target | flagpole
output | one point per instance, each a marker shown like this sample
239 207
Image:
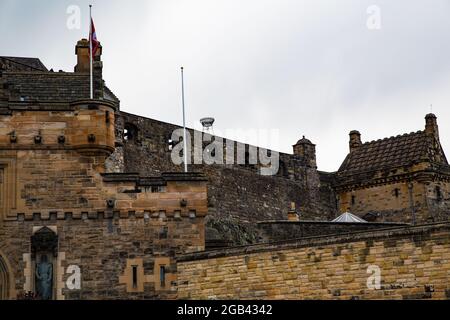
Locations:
90 53
185 152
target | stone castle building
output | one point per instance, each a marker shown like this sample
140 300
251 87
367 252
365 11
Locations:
92 207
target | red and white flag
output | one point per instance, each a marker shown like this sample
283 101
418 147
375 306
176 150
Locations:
93 39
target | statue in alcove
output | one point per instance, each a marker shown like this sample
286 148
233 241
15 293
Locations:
44 278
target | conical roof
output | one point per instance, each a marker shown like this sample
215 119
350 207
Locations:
348 217
303 141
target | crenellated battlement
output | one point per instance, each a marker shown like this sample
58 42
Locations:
159 216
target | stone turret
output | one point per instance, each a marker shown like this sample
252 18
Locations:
307 150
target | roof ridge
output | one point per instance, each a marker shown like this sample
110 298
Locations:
9 57
51 73
388 152
393 137
40 67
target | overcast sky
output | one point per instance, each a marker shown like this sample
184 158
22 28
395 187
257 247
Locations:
303 67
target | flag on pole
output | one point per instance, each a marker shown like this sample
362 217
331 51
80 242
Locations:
93 39
93 47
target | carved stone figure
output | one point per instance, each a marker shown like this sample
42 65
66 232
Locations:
44 279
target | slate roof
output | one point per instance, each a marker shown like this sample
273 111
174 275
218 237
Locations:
47 86
20 63
28 80
403 150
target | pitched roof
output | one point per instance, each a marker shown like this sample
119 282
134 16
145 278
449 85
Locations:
22 64
402 150
50 86
348 217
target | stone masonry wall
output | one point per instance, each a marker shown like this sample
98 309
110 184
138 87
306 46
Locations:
438 200
390 202
238 196
414 264
101 247
121 230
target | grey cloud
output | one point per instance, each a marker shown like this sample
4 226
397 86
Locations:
303 67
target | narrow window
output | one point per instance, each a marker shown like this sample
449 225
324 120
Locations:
134 276
162 275
396 192
438 194
353 200
163 233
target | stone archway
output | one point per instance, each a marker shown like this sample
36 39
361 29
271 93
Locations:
5 280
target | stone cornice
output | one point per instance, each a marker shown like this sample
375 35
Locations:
153 181
56 105
356 182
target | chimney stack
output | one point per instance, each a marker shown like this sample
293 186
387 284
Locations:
82 52
83 65
431 126
355 140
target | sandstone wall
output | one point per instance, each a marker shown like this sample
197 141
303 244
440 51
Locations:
103 247
392 202
121 230
426 201
414 264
